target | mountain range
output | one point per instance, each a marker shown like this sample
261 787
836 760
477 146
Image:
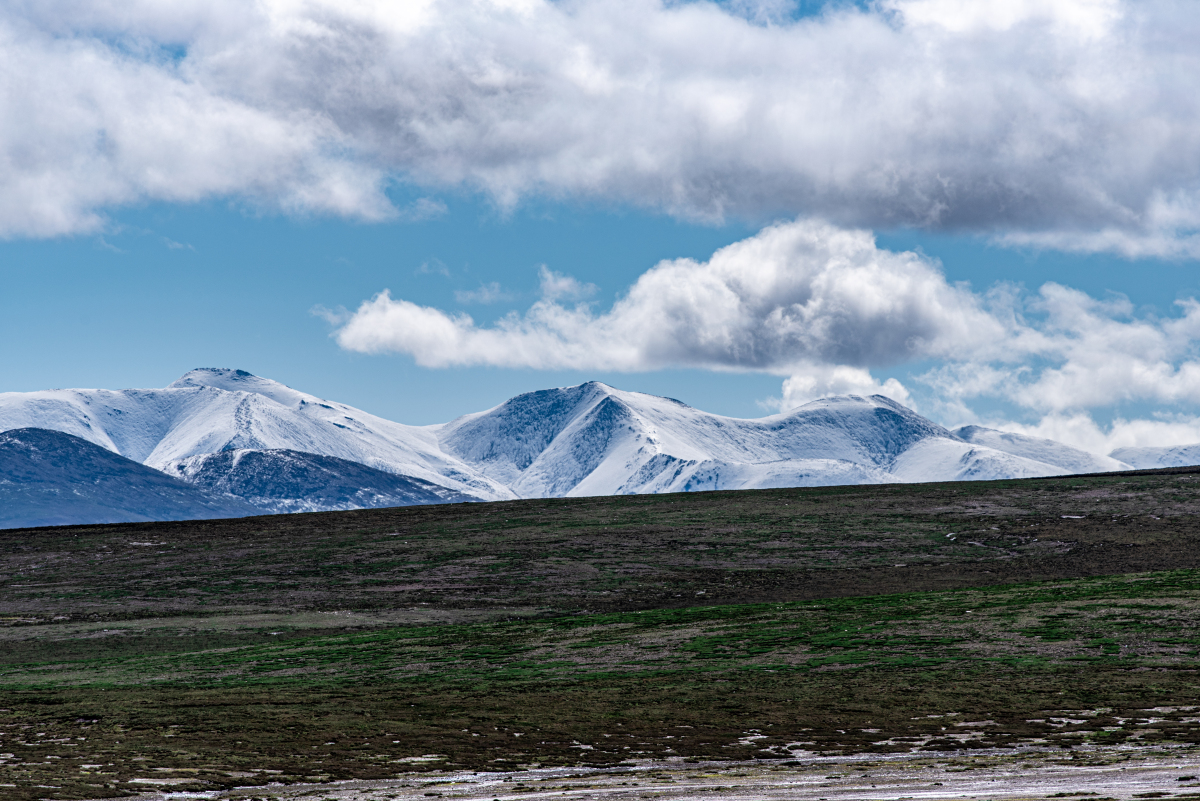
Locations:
237 438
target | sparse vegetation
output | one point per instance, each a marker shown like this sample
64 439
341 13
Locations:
732 625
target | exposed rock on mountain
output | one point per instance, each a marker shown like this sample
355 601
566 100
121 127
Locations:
278 481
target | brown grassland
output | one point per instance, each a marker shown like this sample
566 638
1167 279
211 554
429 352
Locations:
733 625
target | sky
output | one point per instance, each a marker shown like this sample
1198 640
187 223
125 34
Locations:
989 212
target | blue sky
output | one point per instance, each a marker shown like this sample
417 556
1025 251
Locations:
168 288
987 211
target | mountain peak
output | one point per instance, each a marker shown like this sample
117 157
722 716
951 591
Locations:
850 401
213 376
591 388
233 380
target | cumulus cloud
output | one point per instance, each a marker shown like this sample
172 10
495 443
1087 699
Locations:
1081 431
800 293
814 381
87 126
1086 19
824 306
1062 123
1075 352
1168 229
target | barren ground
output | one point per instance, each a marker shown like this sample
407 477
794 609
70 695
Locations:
1094 773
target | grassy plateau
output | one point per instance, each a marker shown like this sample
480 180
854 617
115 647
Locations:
738 625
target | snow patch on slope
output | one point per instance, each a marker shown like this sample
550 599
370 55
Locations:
953 460
690 476
1071 460
1150 458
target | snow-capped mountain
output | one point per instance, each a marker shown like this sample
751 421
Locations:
596 440
48 478
213 410
1149 458
1072 460
256 439
278 481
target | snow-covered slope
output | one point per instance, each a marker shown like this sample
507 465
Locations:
278 481
48 478
1048 451
589 439
1149 458
211 410
950 460
596 440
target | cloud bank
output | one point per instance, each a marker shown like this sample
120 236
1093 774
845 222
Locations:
796 294
1063 123
824 306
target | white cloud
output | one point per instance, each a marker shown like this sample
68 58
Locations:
1064 123
556 286
485 294
823 380
434 267
336 316
1087 18
1168 228
87 126
1081 431
824 306
1067 351
794 295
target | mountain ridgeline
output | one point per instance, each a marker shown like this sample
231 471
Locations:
48 478
259 446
